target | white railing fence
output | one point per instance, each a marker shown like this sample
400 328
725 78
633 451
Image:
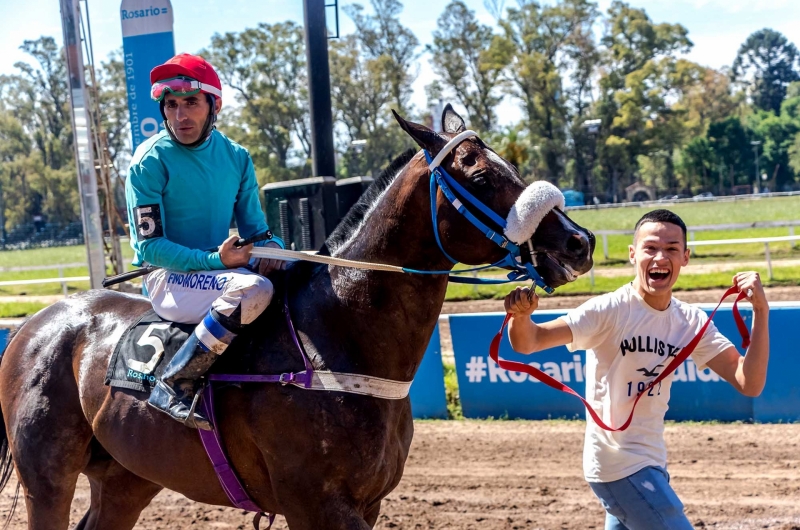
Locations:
691 230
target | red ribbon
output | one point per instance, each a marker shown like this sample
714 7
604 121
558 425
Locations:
514 366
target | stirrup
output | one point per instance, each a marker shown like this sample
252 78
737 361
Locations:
190 418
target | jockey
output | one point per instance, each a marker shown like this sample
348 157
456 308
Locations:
184 186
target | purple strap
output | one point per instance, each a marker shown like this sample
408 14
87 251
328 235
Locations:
212 440
305 377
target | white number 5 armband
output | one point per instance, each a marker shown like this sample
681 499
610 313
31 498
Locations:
148 221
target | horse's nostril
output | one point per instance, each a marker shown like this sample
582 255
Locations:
576 243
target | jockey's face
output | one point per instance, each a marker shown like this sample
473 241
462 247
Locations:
187 115
658 253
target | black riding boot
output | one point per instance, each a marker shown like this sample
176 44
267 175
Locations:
176 392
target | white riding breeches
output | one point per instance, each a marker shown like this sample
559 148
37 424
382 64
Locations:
188 296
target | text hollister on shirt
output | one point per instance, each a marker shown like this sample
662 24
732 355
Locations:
648 344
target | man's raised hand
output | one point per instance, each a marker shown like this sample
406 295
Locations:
749 282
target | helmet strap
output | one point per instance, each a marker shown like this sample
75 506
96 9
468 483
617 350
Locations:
208 126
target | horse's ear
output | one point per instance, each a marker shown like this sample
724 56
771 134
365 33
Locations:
425 138
451 122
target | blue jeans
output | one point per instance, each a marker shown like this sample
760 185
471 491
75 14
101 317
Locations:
642 501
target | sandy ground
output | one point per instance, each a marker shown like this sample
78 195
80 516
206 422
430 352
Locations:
527 475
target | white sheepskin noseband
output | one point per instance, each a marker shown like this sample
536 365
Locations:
529 210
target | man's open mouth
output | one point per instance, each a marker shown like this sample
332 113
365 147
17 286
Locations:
658 274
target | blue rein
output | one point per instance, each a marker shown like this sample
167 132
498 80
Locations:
513 260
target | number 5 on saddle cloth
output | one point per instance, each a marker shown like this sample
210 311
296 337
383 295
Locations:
144 350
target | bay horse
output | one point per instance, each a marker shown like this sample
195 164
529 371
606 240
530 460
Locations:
324 460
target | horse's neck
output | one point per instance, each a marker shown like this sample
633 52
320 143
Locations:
394 311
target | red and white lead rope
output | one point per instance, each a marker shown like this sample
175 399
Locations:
671 367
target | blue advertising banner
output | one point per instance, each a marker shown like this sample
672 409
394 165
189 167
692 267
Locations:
487 390
780 401
427 390
147 42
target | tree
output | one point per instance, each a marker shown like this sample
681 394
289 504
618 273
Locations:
706 99
462 56
777 135
697 164
766 64
641 75
39 98
266 68
113 105
733 153
539 43
631 40
362 93
37 165
382 35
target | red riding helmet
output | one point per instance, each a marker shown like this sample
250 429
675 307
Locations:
184 75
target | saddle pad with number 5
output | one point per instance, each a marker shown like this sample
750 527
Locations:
144 350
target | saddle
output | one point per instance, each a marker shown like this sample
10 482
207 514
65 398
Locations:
144 350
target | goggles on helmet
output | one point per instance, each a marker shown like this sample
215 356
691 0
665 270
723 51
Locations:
181 86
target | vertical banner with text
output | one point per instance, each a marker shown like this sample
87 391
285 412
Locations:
147 41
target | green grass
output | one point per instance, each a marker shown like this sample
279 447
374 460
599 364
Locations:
52 256
42 288
702 213
686 282
454 411
47 256
20 309
695 213
618 246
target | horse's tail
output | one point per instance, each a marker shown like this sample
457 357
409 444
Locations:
6 462
6 467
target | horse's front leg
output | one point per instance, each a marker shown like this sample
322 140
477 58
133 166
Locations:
372 514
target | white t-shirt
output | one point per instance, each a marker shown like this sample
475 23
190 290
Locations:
627 344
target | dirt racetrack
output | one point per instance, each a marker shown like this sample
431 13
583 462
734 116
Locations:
493 475
527 475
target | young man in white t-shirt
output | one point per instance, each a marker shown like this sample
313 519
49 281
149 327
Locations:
629 336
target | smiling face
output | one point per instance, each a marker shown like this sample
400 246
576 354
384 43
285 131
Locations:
658 253
187 115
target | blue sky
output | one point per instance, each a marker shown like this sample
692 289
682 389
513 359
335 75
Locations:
717 27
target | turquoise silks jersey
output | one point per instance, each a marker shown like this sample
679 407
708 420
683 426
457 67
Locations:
181 201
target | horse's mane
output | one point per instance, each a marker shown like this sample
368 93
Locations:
350 223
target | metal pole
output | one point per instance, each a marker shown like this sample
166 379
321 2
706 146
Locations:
323 162
769 260
605 246
84 156
63 284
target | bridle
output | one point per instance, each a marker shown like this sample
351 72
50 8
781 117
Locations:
521 269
